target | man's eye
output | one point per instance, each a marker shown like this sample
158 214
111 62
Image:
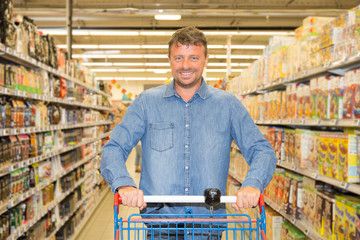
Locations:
178 58
194 58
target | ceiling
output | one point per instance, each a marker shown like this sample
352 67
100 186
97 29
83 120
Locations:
132 23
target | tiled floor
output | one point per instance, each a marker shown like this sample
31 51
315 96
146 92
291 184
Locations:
101 225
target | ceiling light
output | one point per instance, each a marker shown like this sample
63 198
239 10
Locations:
97 64
158 56
167 17
141 79
63 31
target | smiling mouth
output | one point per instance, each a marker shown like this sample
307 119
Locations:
186 73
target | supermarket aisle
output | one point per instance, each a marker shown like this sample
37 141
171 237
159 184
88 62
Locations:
100 225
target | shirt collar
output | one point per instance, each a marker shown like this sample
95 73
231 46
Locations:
170 90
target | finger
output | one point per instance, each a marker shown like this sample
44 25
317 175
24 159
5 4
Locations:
235 206
140 199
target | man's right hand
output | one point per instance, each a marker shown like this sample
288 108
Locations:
132 197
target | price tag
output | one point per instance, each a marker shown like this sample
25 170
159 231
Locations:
2 47
294 168
11 168
334 122
293 221
344 185
9 50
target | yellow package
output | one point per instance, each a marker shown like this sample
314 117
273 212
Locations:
324 140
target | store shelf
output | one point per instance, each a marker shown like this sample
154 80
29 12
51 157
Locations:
27 130
10 54
87 217
45 209
338 68
18 199
304 227
30 161
313 122
40 97
351 187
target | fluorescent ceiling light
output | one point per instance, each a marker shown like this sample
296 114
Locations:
232 64
266 33
159 70
157 56
141 79
97 64
159 64
168 17
63 31
109 46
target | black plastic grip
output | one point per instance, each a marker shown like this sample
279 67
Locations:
212 196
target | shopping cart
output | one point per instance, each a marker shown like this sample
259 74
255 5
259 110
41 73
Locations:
189 226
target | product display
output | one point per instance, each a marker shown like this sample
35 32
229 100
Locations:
53 123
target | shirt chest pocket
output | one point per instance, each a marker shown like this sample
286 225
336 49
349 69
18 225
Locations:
161 136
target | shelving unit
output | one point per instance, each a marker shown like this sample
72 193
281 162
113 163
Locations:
10 55
337 68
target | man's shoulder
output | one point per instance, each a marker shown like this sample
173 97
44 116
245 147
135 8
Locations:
219 93
155 91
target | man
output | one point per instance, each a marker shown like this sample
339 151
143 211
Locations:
186 129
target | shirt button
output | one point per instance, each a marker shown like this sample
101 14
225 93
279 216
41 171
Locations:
187 125
186 189
186 146
186 167
187 105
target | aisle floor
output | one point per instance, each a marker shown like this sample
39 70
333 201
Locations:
100 226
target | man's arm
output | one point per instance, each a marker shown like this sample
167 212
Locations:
122 140
258 154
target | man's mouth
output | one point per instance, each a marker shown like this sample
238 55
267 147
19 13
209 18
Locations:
186 73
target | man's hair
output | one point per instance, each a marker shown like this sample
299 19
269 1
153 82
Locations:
188 36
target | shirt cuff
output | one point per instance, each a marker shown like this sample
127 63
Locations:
119 182
253 182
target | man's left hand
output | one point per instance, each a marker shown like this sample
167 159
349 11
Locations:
246 197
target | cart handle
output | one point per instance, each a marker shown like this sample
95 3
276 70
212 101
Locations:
184 199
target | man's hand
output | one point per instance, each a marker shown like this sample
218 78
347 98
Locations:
246 197
132 197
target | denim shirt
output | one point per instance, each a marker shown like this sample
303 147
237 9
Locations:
186 145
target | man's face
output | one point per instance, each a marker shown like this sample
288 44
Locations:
187 64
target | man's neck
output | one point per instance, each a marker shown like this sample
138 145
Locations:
186 93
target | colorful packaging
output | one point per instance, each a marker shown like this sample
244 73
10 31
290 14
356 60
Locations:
332 156
324 140
313 98
348 158
348 100
303 145
273 224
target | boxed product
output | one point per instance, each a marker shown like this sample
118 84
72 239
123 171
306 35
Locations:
324 141
347 155
303 142
273 224
336 90
323 102
356 105
319 211
328 215
348 96
332 165
346 209
287 192
296 199
283 105
313 98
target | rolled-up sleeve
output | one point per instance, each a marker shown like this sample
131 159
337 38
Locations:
256 150
123 139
